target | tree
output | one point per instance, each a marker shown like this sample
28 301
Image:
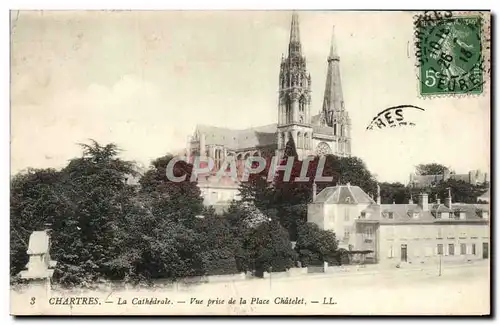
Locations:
431 169
86 235
257 189
394 193
82 205
178 201
155 247
36 197
315 246
461 191
289 198
269 248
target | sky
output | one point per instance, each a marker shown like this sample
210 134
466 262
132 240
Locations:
145 79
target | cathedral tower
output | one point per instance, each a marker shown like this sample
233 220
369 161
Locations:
333 112
294 108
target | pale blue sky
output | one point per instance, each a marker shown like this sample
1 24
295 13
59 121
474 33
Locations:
145 79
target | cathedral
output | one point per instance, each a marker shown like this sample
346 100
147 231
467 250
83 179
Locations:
328 132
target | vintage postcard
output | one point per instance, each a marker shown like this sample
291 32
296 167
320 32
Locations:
250 162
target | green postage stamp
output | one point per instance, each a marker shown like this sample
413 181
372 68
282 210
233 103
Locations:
450 53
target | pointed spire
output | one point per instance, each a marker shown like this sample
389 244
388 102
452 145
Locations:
333 47
333 100
294 30
294 48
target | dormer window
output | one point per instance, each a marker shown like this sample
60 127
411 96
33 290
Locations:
415 215
459 215
438 215
363 215
348 200
389 215
485 214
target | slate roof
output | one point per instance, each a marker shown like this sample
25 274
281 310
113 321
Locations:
343 194
239 139
403 213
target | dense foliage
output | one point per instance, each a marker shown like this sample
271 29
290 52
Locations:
103 227
431 169
316 246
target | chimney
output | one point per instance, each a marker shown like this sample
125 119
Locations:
438 200
315 189
423 201
447 201
411 199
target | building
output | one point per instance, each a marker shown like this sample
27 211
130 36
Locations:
420 232
328 132
474 177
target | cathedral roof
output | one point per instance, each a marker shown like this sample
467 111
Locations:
315 119
239 139
320 129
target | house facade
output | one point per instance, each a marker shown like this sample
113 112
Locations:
420 232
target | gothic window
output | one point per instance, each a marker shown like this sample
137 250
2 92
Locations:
299 140
218 158
323 149
302 104
306 141
335 129
288 110
329 118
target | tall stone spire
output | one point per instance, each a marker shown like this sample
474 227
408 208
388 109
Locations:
333 47
295 48
333 103
333 100
294 108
